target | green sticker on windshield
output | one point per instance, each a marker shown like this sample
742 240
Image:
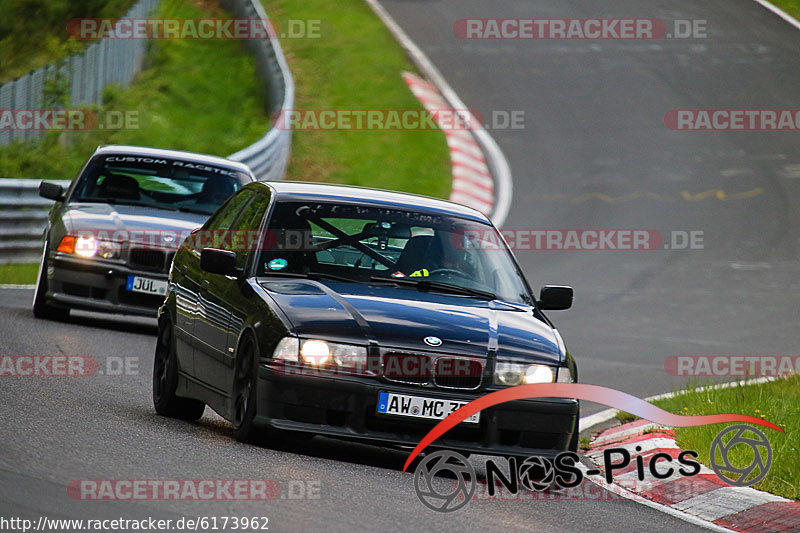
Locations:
277 264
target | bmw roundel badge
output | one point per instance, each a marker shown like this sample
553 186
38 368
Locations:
433 341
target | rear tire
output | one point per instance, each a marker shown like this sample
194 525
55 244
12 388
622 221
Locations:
41 306
165 379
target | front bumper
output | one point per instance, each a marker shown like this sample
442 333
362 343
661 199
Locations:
345 407
99 285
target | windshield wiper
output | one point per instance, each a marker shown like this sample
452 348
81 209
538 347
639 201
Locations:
310 275
427 285
190 210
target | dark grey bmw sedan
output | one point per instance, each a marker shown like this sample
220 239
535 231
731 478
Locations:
311 309
112 234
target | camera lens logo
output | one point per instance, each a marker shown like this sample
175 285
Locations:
440 494
536 473
760 450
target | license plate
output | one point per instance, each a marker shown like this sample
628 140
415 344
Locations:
390 403
146 285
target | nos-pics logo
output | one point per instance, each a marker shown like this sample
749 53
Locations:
445 481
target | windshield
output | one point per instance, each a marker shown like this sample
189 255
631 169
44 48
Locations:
373 245
156 182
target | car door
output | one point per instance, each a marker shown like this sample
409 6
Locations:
225 303
186 269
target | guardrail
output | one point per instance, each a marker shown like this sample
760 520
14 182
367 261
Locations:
104 62
23 214
269 156
23 217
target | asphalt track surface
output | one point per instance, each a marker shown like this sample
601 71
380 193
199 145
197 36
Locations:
594 125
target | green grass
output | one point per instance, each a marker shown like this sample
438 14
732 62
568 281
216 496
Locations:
624 417
195 95
790 6
777 402
19 274
357 65
34 34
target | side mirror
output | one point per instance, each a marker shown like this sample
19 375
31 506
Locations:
218 261
51 191
555 298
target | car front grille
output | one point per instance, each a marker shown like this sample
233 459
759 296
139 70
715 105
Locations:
457 373
414 369
443 371
152 260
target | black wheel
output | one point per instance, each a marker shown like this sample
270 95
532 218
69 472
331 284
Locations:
165 379
244 391
41 307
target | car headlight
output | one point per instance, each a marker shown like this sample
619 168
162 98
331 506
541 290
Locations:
512 374
318 352
88 246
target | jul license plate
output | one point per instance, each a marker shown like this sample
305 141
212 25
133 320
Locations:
420 407
146 285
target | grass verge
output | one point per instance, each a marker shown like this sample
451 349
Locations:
356 65
34 34
624 417
776 401
790 6
197 95
22 274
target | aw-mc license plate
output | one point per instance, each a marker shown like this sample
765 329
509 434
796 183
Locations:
146 285
390 403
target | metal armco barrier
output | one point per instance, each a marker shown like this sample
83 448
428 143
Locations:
23 214
104 62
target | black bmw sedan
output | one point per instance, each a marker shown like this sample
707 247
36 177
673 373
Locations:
111 235
359 314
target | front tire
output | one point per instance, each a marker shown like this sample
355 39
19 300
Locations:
165 379
41 307
245 391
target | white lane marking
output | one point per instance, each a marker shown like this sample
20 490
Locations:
502 171
725 501
657 443
16 286
780 12
595 419
617 435
619 491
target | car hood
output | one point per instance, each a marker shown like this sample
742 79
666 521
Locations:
403 317
131 223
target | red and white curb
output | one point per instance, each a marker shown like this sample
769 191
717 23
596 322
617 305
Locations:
703 496
500 170
473 185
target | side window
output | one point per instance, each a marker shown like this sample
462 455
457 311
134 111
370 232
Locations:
214 232
246 236
224 218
